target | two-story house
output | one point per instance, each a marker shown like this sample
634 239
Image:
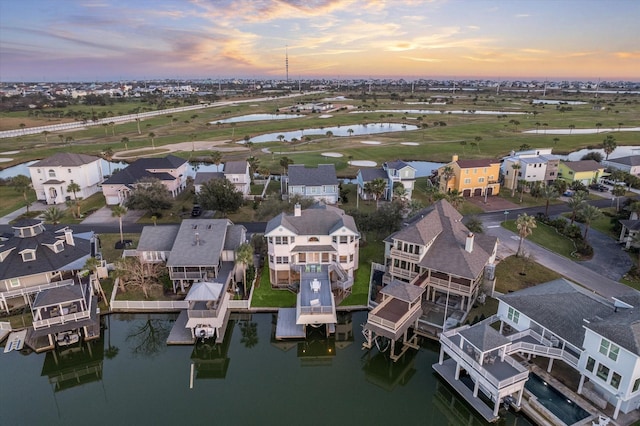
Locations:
236 172
391 172
583 171
436 251
170 170
52 176
470 178
319 183
629 164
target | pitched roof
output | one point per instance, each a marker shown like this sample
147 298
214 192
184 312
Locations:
139 169
66 159
447 253
403 291
583 165
484 337
46 259
203 177
631 160
397 165
235 167
480 162
320 219
369 175
199 242
324 174
622 326
157 238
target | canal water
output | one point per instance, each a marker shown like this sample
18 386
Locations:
130 376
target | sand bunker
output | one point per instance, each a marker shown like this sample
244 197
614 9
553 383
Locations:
410 143
371 142
325 116
331 154
9 152
363 163
4 160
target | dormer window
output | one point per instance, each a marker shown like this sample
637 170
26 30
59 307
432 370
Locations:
58 246
28 255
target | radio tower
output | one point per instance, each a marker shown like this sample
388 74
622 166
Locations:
286 62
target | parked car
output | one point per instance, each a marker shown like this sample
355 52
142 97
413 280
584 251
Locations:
598 187
568 193
196 211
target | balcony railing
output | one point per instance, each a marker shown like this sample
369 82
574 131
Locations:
316 309
62 319
391 325
179 275
403 255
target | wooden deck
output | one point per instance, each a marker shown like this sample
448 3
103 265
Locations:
394 310
180 334
448 371
286 327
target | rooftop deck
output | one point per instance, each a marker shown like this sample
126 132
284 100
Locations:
315 301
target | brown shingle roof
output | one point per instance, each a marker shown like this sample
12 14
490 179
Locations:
583 165
66 159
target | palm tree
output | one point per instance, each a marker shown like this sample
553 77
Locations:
598 125
216 158
244 255
22 184
556 140
620 125
329 135
152 136
455 198
284 163
193 138
571 127
125 141
233 130
350 131
525 225
53 215
575 204
537 125
589 213
46 136
515 167
545 125
447 174
609 145
376 187
74 188
463 143
138 123
107 153
523 185
478 139
119 212
548 193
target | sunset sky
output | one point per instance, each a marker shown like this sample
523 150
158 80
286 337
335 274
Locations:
97 40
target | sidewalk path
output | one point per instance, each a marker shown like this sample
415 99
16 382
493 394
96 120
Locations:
36 206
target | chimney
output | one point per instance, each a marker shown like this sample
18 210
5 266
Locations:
297 210
68 237
454 158
468 245
197 235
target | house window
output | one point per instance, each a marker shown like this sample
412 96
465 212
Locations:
270 258
52 173
552 173
14 282
513 315
282 259
58 246
282 240
313 239
615 380
344 240
609 349
603 372
302 258
351 258
467 181
28 256
590 364
270 240
69 171
636 385
343 259
481 179
39 171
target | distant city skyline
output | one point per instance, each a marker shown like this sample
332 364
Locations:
110 40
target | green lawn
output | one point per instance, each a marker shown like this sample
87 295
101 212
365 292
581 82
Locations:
108 241
547 237
266 297
515 273
370 251
12 200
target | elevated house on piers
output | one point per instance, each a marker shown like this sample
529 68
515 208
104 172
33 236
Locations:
437 252
314 253
562 322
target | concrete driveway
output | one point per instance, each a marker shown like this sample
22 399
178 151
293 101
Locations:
103 217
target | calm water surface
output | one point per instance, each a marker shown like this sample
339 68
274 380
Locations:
131 377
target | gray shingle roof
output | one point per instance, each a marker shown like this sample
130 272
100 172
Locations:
235 167
324 174
199 242
139 170
406 292
397 165
236 235
484 337
369 175
203 177
631 160
54 296
318 220
583 165
65 159
622 326
447 253
157 238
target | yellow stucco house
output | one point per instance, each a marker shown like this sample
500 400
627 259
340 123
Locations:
471 177
585 171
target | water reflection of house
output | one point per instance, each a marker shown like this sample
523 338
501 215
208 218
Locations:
74 366
380 370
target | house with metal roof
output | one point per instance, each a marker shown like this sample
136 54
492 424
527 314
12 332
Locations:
436 251
319 183
170 170
51 176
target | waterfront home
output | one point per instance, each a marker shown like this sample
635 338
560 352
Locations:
630 228
52 176
392 172
477 177
208 311
194 251
436 251
537 165
584 171
319 183
171 171
559 321
629 164
236 172
34 259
